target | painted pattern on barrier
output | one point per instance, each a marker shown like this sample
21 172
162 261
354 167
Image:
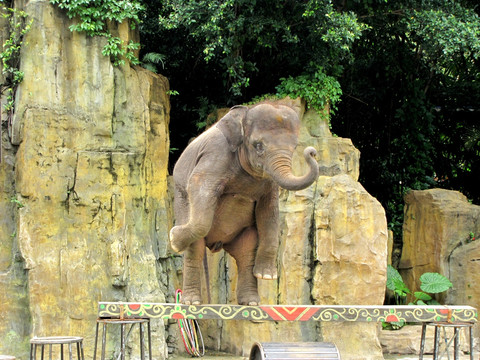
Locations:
289 312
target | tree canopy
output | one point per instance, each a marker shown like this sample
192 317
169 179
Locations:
402 76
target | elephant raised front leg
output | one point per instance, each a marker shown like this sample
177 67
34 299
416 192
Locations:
203 199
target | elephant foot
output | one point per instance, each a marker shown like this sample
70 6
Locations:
250 300
180 238
191 298
265 271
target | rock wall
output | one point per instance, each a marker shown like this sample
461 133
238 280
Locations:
440 234
84 210
333 250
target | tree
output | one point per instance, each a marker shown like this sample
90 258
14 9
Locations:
413 80
220 53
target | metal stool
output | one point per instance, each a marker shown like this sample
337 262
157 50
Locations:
455 339
56 340
123 323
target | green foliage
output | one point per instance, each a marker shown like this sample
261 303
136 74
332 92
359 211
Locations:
151 60
411 98
17 202
430 283
434 283
317 89
93 17
471 237
446 36
233 51
10 56
407 74
236 34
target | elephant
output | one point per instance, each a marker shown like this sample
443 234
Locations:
226 194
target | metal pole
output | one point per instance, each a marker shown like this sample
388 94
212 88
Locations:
142 351
437 342
96 339
422 341
149 341
456 349
104 340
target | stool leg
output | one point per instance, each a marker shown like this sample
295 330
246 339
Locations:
41 356
142 352
447 343
422 341
96 339
33 350
149 341
78 350
470 328
122 341
61 351
456 353
104 340
81 348
437 342
70 351
50 352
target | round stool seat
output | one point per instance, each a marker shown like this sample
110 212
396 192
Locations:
455 338
451 324
56 340
123 337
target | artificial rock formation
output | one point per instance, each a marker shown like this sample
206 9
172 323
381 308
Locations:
84 211
440 234
333 250
84 207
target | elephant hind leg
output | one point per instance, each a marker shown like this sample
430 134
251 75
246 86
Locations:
242 249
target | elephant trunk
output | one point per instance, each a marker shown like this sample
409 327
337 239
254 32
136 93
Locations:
280 169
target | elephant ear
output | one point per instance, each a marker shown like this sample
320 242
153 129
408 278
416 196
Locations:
231 126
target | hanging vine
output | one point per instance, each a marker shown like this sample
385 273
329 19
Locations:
18 26
93 17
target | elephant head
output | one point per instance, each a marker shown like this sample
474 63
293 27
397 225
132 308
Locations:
265 137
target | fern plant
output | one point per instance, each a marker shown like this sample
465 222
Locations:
151 60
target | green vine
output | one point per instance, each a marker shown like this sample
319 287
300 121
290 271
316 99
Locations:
93 17
10 56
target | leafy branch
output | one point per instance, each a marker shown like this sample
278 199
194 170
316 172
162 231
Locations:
317 89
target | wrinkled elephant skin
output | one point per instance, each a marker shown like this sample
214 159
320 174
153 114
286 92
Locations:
226 194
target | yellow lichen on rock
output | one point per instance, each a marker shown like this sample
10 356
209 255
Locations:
91 174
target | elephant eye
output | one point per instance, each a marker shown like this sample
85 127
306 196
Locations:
258 145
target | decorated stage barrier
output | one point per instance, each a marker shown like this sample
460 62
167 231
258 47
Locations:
290 312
